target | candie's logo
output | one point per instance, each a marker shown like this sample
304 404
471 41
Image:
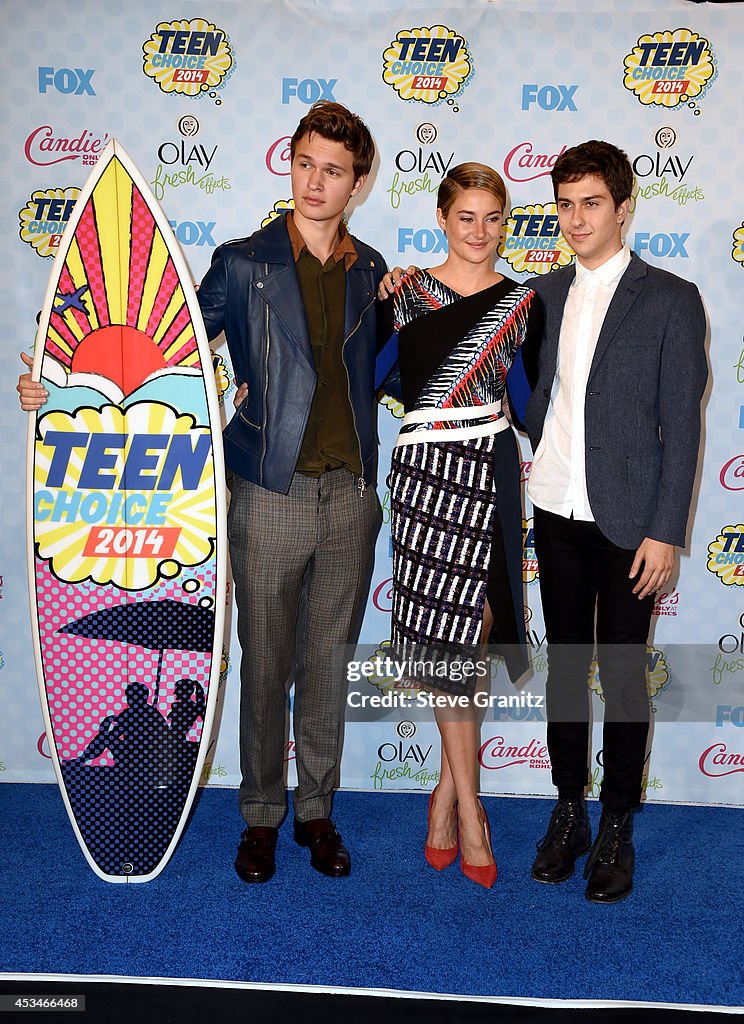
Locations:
45 216
523 164
726 555
716 761
382 596
532 241
737 253
430 65
279 157
44 147
732 474
670 68
193 58
666 603
496 753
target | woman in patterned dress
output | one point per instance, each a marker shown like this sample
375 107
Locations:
456 526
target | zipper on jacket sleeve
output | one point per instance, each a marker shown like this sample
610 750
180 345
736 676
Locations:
266 381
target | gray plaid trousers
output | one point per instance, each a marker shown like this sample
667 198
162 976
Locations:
311 549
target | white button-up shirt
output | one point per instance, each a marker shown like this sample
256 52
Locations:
557 480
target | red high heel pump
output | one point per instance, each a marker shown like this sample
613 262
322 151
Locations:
481 874
439 859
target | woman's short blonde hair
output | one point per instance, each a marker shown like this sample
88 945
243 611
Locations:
469 175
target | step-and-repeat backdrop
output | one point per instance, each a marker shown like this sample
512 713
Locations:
204 97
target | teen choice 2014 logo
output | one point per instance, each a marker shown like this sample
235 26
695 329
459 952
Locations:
280 206
658 675
670 69
123 496
726 556
392 405
529 559
193 58
532 241
737 253
45 216
431 65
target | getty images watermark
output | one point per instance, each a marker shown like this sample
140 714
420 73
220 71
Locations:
690 682
407 684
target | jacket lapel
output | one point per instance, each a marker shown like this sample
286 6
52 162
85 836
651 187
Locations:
555 318
626 293
359 296
280 290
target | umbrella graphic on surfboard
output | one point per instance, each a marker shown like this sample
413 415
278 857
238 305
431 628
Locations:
126 534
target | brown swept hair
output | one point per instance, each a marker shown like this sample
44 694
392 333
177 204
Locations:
336 122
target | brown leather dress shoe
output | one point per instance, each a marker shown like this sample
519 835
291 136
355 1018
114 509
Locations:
256 857
327 853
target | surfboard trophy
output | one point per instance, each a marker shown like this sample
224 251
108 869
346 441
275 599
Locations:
126 534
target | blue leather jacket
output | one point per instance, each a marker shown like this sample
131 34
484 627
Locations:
251 292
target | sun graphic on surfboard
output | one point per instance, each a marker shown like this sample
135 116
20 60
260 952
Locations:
119 315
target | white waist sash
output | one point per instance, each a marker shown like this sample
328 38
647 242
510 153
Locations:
434 415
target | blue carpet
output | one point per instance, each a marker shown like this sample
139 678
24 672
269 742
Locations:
395 923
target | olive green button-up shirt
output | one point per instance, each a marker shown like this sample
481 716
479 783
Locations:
330 440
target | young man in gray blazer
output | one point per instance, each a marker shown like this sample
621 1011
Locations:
615 424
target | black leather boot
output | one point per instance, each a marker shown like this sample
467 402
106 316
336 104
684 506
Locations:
610 864
568 837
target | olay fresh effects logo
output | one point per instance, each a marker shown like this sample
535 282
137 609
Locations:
428 65
496 753
659 173
185 162
670 68
419 169
401 759
726 556
192 58
44 146
737 253
532 241
45 216
524 164
730 657
716 761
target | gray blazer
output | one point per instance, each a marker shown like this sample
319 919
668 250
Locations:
642 405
